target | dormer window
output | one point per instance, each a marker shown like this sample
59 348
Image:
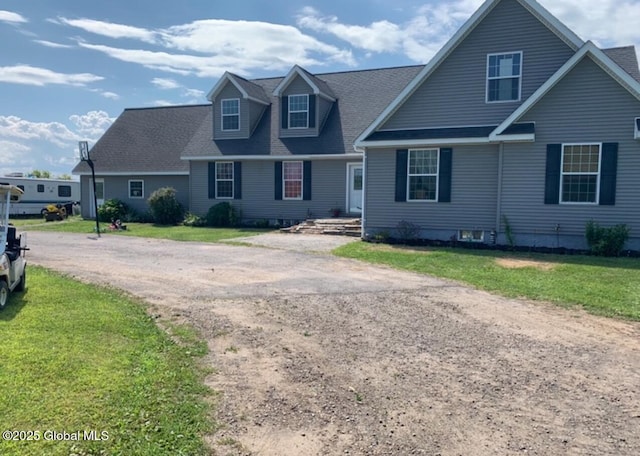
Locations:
504 77
230 114
298 111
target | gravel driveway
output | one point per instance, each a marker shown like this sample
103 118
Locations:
316 355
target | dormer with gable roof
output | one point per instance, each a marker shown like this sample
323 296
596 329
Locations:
305 103
238 106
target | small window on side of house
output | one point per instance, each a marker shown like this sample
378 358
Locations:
292 177
298 111
504 77
230 114
636 134
40 188
136 189
580 170
471 235
224 180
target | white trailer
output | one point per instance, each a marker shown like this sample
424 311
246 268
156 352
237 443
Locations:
38 193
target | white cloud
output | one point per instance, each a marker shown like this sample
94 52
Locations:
52 44
11 17
29 75
208 48
21 133
194 93
92 124
110 95
109 29
608 23
419 38
15 128
165 84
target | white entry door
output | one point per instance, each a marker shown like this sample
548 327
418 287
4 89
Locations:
354 192
99 196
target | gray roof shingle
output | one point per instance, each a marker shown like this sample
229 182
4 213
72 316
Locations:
361 96
626 58
147 140
253 90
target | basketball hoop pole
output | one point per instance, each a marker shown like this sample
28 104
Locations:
84 156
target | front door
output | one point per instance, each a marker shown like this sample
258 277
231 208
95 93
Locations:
99 196
354 193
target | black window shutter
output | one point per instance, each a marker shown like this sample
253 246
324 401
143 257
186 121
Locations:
212 180
552 174
306 181
284 111
278 180
237 180
444 175
608 171
312 111
402 156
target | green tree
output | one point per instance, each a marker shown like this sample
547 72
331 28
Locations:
41 174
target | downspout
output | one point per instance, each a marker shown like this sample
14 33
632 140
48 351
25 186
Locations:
499 196
364 188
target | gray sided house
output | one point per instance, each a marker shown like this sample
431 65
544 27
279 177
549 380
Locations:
516 126
282 149
140 153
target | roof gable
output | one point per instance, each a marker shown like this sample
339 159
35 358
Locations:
318 86
589 50
248 89
540 13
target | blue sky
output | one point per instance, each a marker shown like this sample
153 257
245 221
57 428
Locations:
68 68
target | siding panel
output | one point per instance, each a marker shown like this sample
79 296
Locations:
473 195
329 184
586 106
454 95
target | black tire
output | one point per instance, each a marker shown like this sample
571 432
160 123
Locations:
4 294
44 212
23 281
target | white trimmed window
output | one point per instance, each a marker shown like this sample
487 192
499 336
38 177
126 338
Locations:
224 180
580 173
136 189
471 235
504 77
230 114
292 180
298 111
422 172
636 128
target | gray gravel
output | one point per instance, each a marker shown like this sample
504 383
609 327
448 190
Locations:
315 355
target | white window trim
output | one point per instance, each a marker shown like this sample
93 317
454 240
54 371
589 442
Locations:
223 115
562 174
290 111
129 187
500 77
409 177
232 180
636 128
284 193
461 239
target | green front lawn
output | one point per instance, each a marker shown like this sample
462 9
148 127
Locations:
174 233
76 358
604 286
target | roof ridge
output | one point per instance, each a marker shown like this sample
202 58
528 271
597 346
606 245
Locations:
142 108
398 67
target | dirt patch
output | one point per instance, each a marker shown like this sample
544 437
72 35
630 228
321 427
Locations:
516 263
315 355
